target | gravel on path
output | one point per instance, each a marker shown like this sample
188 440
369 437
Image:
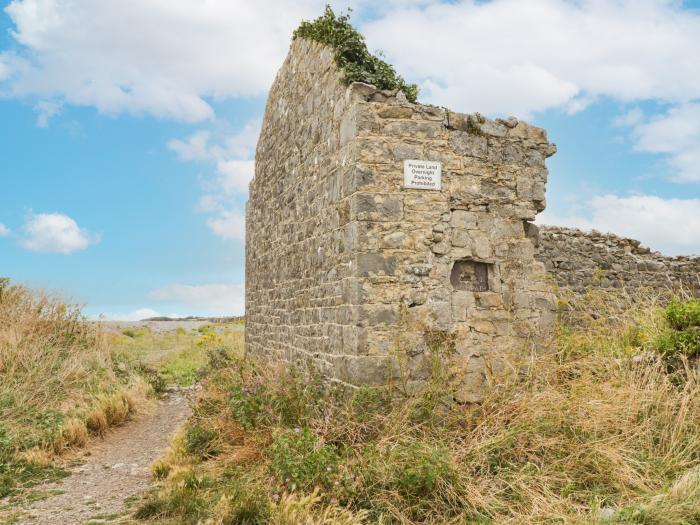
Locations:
115 468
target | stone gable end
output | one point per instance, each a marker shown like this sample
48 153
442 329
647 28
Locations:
351 272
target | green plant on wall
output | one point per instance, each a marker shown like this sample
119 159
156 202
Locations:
351 53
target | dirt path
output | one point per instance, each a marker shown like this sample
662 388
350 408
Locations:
116 468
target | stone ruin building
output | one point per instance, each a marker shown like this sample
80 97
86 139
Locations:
376 226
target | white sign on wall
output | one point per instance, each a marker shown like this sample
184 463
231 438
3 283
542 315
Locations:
422 174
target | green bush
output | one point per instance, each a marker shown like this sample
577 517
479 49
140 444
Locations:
683 336
247 405
351 53
292 399
135 333
300 460
200 441
218 358
418 468
154 378
683 315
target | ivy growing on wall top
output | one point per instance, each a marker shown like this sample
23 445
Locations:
351 53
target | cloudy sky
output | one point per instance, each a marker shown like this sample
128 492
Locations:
129 126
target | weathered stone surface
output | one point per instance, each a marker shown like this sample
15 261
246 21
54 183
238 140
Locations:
342 261
580 260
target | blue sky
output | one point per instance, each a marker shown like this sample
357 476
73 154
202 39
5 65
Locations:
128 133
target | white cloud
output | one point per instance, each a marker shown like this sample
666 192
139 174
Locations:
165 58
136 315
671 226
4 69
677 134
213 299
229 224
46 110
515 56
209 204
235 174
195 147
503 56
56 233
631 118
4 230
202 146
231 158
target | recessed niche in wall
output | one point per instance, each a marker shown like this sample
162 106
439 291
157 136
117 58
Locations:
472 276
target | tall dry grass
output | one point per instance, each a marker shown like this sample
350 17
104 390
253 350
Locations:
58 381
595 426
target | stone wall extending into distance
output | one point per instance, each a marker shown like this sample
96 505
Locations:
354 269
581 260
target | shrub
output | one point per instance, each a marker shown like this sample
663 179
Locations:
418 468
200 441
683 315
299 459
248 404
218 357
154 378
683 336
351 53
291 399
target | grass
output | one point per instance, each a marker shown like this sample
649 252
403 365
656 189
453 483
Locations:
175 357
59 383
601 427
64 379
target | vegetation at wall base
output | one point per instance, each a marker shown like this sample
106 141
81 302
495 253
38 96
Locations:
351 53
682 338
599 429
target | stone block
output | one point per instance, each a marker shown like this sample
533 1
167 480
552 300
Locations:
375 263
468 144
404 151
399 112
528 132
397 240
460 238
376 207
379 314
489 300
462 302
463 219
414 129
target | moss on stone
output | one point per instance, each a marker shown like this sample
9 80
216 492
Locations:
351 53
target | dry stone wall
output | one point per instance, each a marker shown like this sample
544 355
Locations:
579 261
351 272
